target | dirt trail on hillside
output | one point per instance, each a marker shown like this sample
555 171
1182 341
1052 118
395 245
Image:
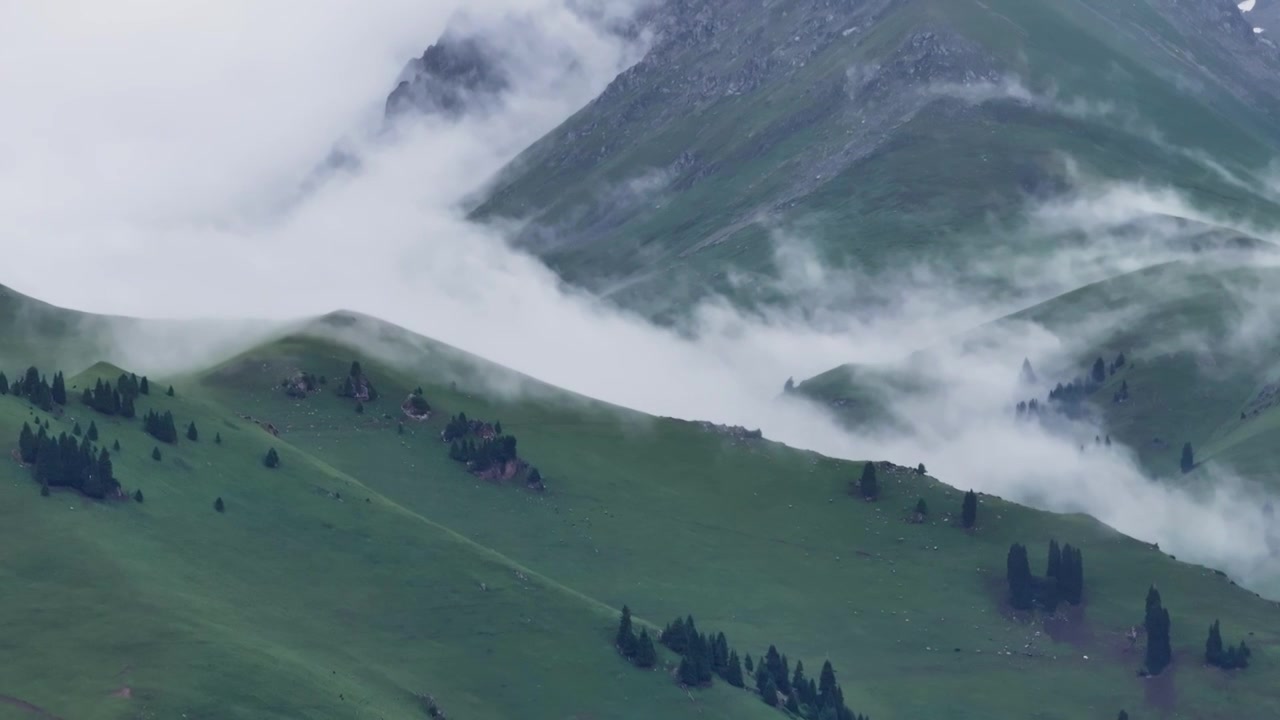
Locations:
24 705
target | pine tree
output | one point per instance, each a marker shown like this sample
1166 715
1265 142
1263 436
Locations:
1123 716
137 496
115 446
1099 371
28 446
748 664
733 673
768 690
792 705
1213 646
969 510
217 438
1159 650
625 639
272 459
155 453
920 469
76 430
1188 461
646 655
192 434
1055 560
497 427
798 681
687 673
218 506
922 508
144 387
93 431
1018 574
867 484
4 384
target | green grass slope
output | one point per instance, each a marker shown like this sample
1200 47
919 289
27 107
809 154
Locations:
765 543
312 595
881 131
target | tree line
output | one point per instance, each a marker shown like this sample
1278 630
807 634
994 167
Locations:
482 446
705 656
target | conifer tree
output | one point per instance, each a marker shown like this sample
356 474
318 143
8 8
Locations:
1159 650
687 673
1188 460
93 431
155 453
218 505
1055 560
922 508
792 705
115 446
1018 574
766 687
192 434
1213 646
144 387
1123 716
4 384
969 510
272 459
646 655
137 496
748 664
1099 371
28 446
868 485
217 438
733 674
76 430
798 681
625 639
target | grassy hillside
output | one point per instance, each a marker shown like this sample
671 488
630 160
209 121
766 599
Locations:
885 131
369 567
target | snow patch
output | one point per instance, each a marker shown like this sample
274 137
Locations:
1247 6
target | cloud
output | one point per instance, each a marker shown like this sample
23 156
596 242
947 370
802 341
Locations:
149 166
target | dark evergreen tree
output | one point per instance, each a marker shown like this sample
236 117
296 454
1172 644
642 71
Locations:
922 508
768 690
799 684
272 459
497 427
192 434
218 505
1224 656
1099 371
137 496
58 392
126 408
1018 574
155 453
144 387
646 655
625 639
1188 460
1159 649
920 469
93 431
1123 716
868 485
4 384
792 705
687 673
28 446
76 430
115 446
733 673
969 509
217 438
1054 565
748 664
169 392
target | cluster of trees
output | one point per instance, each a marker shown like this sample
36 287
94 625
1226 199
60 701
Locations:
118 400
416 404
1063 580
1122 394
484 455
161 427
1230 657
1065 398
1029 407
302 383
705 656
639 649
356 384
63 462
460 426
35 388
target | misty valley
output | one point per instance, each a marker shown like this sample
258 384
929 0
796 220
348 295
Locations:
570 359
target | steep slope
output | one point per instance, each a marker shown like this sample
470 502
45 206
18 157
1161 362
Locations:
376 568
882 130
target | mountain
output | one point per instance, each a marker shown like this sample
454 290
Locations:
368 573
884 132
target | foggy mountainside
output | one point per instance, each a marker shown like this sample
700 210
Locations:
824 360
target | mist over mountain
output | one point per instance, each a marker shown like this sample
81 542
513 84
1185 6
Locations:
928 344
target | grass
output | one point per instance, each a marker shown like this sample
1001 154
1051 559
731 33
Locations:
304 599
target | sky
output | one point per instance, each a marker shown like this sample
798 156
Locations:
151 160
